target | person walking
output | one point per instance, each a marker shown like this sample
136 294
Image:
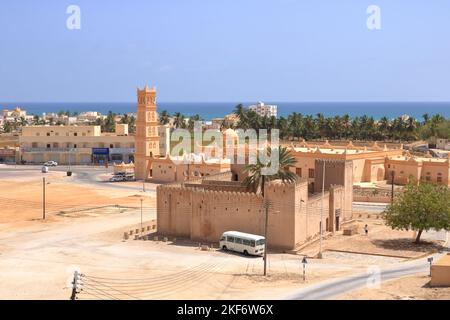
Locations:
366 229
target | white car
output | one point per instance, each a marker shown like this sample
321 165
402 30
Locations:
44 169
51 164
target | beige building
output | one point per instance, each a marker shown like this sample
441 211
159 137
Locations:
427 169
75 144
440 272
174 169
373 163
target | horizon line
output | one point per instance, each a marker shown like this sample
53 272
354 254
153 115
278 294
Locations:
255 101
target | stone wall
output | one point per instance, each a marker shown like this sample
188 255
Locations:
371 195
203 215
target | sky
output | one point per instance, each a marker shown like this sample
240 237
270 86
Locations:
225 50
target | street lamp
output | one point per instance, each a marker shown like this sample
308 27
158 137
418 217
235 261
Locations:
43 197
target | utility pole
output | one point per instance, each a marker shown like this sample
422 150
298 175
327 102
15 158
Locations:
143 185
141 214
392 186
321 210
43 198
306 217
266 205
74 285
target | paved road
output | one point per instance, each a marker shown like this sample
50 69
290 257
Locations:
369 207
331 289
343 285
82 174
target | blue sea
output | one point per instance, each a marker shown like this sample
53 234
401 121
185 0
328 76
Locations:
219 109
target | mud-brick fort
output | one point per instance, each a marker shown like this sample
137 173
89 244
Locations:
203 209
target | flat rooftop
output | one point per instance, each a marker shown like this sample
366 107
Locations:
332 150
444 261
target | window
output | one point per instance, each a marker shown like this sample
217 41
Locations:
48 134
84 134
75 146
439 179
56 133
311 173
428 178
298 171
111 145
260 242
389 166
238 240
48 146
34 145
230 239
246 242
75 134
252 243
38 134
55 145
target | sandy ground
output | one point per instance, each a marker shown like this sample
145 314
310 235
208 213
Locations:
84 231
381 240
407 288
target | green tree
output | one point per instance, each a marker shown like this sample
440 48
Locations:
110 122
256 180
179 120
192 120
420 207
7 127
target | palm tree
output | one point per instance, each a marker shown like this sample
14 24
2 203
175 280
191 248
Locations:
178 120
256 179
35 120
164 117
192 120
383 126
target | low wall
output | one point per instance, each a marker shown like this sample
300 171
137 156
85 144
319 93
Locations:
371 195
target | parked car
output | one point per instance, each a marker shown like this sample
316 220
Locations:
117 178
127 176
51 163
44 169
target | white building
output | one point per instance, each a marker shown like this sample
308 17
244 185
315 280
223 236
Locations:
443 144
264 109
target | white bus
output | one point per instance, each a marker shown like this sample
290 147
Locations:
242 242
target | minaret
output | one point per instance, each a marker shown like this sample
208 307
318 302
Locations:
146 139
